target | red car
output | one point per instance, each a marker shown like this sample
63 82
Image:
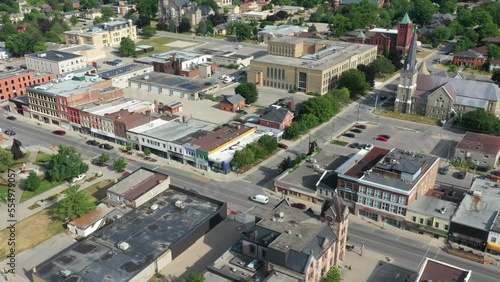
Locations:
360 126
299 206
282 146
59 132
381 138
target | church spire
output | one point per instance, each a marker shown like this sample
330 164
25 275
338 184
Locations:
410 65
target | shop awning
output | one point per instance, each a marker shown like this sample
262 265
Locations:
493 246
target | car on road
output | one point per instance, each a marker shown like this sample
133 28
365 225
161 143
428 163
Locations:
11 118
385 136
354 145
282 146
10 132
92 143
299 206
480 168
107 62
242 112
78 178
9 68
59 132
368 147
350 135
381 138
356 130
496 172
260 199
461 175
106 147
360 126
444 170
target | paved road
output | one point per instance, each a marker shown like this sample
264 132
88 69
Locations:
410 254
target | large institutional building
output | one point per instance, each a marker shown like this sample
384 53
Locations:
307 65
103 35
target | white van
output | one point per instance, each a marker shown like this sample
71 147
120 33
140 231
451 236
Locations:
260 199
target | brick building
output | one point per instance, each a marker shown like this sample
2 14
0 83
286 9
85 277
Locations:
14 83
475 58
232 103
276 117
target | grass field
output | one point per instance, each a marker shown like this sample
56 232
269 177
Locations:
42 157
407 117
31 231
158 43
44 186
3 194
20 162
340 143
97 191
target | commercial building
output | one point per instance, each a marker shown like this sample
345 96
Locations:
14 83
306 64
493 242
120 76
232 103
441 97
429 215
475 215
226 58
55 62
103 35
53 102
90 53
338 3
255 15
182 63
270 31
87 224
116 124
172 85
480 149
434 270
140 243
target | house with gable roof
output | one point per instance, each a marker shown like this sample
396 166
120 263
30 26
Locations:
277 117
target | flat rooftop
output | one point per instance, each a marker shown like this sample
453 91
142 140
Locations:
172 81
149 233
335 53
148 126
220 137
247 268
67 87
18 72
227 154
433 207
168 57
434 270
176 130
479 207
137 183
53 55
110 107
283 29
78 48
123 70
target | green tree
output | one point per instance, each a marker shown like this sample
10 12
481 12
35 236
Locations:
480 121
463 44
285 164
339 25
400 7
127 47
103 159
294 130
312 28
308 121
242 158
147 8
194 277
382 65
465 18
268 143
423 11
202 28
447 6
334 275
73 20
488 30
148 31
107 13
268 6
18 44
493 52
98 20
76 204
369 74
354 81
88 4
66 164
147 152
40 47
32 182
495 76
439 35
242 31
7 30
6 159
52 36
319 107
249 91
185 25
342 95
120 164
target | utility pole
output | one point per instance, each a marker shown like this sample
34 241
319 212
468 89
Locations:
333 124
362 248
357 118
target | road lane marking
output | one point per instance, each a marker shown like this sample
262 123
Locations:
200 178
425 255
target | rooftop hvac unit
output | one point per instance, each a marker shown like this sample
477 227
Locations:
123 246
180 204
477 193
281 214
65 273
154 207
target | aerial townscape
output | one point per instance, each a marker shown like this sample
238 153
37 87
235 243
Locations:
250 140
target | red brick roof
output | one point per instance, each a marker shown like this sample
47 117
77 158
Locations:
90 218
143 187
480 143
438 271
219 137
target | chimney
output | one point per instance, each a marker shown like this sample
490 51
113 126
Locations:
156 106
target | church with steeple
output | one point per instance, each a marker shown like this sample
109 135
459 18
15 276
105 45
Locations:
443 97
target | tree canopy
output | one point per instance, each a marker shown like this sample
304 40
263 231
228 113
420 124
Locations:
382 65
66 164
76 204
496 76
354 80
148 8
120 164
248 91
480 121
185 25
334 275
127 47
148 31
6 159
32 182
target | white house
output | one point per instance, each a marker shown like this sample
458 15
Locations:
89 223
495 64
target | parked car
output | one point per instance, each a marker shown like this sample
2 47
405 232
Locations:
361 126
496 172
356 130
385 136
444 170
480 168
368 147
59 132
381 138
260 199
354 145
461 175
283 146
106 147
242 112
11 118
79 177
299 206
350 135
10 132
92 142
361 146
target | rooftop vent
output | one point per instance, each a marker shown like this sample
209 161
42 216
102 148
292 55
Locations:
123 246
42 55
65 273
281 214
442 210
154 207
59 56
180 204
146 77
477 193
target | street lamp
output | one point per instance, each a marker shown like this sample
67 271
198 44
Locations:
362 248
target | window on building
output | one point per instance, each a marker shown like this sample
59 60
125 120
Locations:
361 200
252 249
446 227
493 240
369 202
385 196
421 221
414 218
429 222
362 189
394 198
369 191
378 193
436 224
376 204
402 200
384 206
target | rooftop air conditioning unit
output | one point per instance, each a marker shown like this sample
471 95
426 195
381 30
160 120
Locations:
154 207
180 204
123 246
477 193
65 273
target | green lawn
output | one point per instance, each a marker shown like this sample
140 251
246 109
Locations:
3 194
97 191
20 162
384 77
44 186
340 143
158 43
42 158
407 117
